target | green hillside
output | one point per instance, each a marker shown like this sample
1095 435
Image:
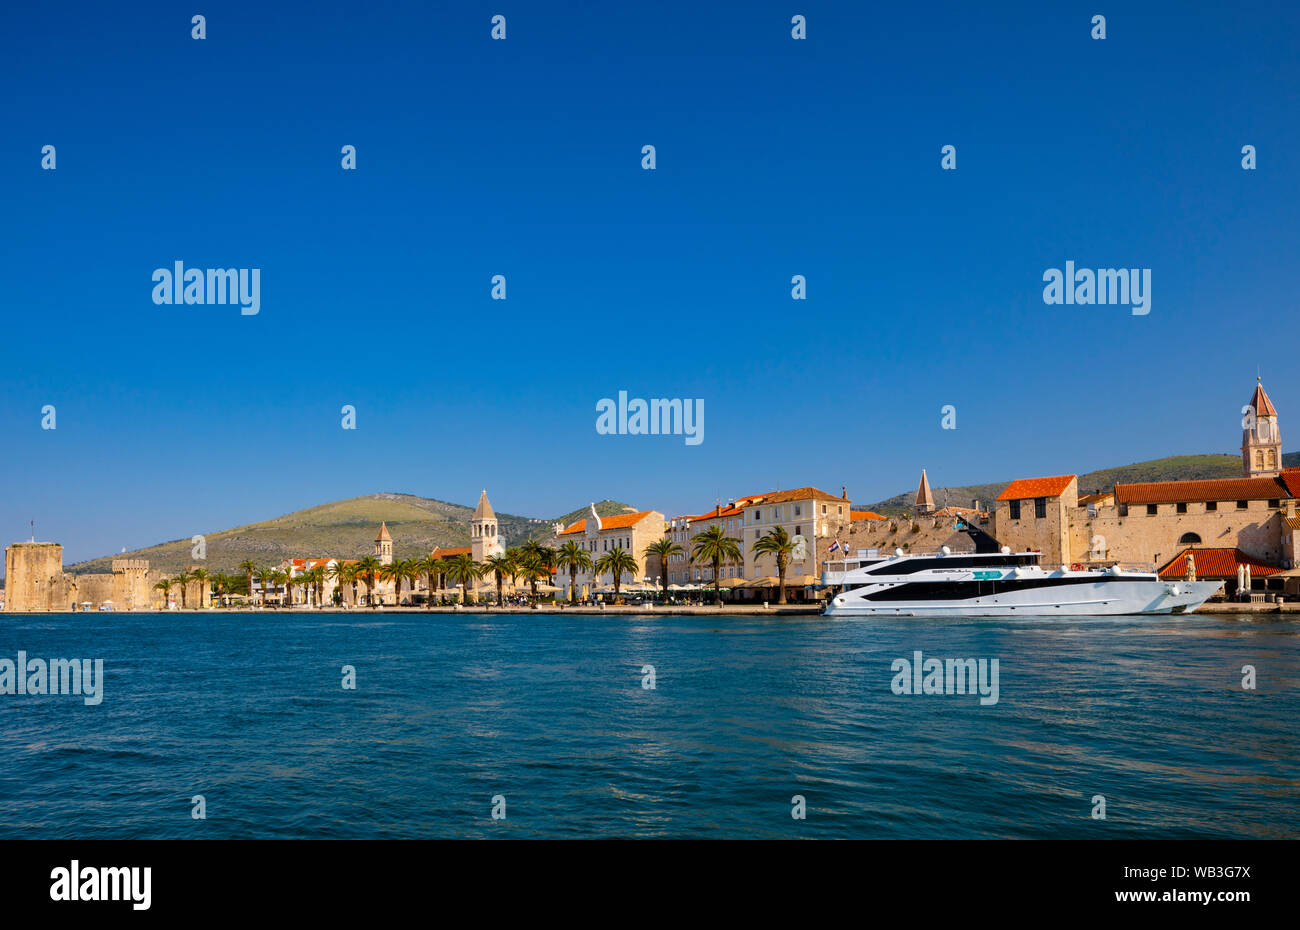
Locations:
1174 468
345 529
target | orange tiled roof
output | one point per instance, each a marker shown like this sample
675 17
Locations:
856 515
1259 400
1211 489
951 511
715 514
1024 488
441 553
1216 563
617 522
780 497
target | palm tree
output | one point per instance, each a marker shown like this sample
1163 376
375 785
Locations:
342 575
290 582
714 545
665 549
318 579
276 578
165 586
429 567
617 560
367 569
500 566
249 568
204 578
535 561
464 571
264 580
777 542
397 572
575 558
183 579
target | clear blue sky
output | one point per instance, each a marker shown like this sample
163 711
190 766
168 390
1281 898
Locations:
775 157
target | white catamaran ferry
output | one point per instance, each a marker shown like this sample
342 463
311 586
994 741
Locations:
999 583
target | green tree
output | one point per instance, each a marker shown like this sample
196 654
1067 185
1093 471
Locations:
776 542
664 549
249 568
573 557
165 586
204 578
343 575
617 560
500 566
714 545
463 570
368 570
397 572
183 579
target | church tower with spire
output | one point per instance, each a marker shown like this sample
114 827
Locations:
924 496
1261 443
384 545
483 538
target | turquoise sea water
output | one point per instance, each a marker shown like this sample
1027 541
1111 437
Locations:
549 711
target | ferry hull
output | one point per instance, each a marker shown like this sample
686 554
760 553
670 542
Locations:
1112 597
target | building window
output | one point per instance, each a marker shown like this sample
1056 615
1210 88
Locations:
1152 509
1211 506
758 515
1123 510
798 511
1275 503
1040 507
1241 505
1188 539
1014 507
1180 508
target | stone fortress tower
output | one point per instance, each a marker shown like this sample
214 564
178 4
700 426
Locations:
384 545
1261 442
35 580
483 538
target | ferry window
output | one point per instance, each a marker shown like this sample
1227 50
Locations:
1241 505
1014 507
1181 508
1211 506
1152 509
1040 507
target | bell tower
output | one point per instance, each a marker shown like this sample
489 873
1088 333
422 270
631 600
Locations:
1261 442
483 538
384 545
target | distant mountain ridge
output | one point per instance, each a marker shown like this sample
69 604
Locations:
344 529
1173 468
